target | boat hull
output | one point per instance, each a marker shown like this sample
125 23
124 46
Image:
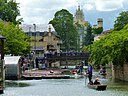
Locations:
102 73
99 87
46 77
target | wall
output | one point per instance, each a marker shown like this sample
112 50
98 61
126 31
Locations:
120 72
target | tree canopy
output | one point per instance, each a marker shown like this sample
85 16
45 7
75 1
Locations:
89 38
9 11
16 41
111 48
63 24
121 20
98 30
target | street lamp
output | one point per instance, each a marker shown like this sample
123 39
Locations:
2 71
35 37
29 40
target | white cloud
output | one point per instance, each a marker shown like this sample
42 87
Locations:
42 11
108 5
104 5
88 7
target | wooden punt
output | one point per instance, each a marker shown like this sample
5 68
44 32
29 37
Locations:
99 87
56 77
27 77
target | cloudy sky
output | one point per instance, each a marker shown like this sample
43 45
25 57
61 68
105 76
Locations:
42 11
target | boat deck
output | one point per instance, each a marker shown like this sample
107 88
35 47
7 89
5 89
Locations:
45 74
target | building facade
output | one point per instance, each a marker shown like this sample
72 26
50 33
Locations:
43 38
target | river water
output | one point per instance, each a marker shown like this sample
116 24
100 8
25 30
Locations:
63 87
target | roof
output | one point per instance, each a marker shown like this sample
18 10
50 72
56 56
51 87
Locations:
39 27
39 48
11 59
53 33
1 37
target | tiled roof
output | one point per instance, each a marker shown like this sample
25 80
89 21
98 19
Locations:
39 27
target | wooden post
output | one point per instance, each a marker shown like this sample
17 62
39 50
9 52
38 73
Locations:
2 66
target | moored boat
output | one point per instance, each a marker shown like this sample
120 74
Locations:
27 77
56 77
102 73
99 87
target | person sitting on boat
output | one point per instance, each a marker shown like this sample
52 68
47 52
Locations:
96 81
74 71
103 70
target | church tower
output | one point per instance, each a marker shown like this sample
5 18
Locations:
81 25
79 16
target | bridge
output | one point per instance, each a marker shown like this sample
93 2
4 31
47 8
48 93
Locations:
65 56
50 58
68 56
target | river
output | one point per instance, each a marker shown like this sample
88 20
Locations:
62 87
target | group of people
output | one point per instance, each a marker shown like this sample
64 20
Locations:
89 72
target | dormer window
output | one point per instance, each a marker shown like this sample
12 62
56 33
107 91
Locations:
41 40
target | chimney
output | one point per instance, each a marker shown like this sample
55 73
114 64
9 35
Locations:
100 22
49 30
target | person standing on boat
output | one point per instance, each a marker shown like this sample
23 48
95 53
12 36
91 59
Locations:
90 72
81 67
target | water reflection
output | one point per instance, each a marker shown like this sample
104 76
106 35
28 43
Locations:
118 85
15 84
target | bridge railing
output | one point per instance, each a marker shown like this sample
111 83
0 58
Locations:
68 56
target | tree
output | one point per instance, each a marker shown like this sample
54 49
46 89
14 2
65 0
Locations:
98 30
63 24
9 11
89 37
16 41
121 20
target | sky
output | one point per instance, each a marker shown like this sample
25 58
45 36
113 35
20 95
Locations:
42 11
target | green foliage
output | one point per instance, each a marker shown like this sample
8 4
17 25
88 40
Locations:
111 48
98 30
9 11
121 20
16 41
89 38
63 24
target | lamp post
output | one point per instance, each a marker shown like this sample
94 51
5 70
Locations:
2 71
29 41
35 37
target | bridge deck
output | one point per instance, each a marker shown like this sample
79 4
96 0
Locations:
66 56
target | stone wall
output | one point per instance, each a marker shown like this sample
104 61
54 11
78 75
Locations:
120 72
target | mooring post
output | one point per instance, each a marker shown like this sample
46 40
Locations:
2 65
